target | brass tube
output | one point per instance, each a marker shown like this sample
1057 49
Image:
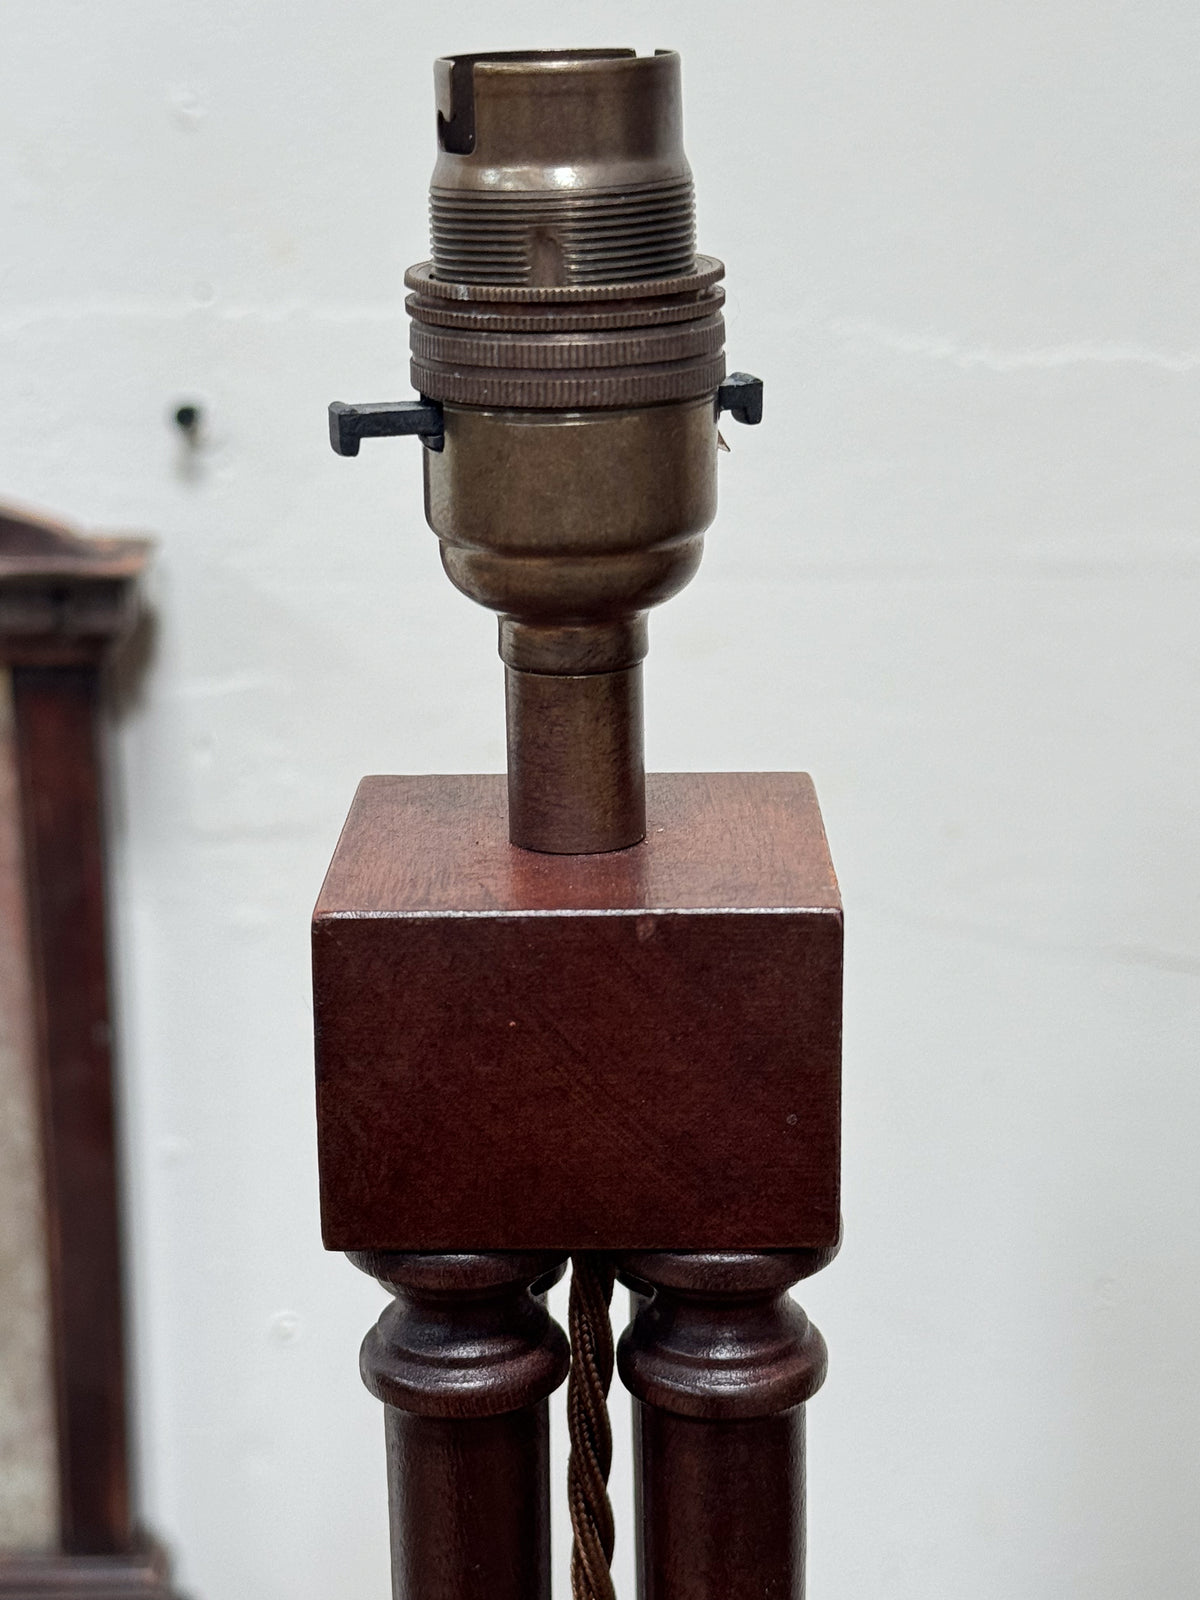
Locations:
576 781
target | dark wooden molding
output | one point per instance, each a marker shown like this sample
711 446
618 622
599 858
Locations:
64 603
141 1574
55 711
64 598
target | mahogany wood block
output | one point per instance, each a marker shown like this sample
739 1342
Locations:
638 1050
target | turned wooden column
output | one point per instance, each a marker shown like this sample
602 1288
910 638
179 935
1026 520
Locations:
720 1361
464 1359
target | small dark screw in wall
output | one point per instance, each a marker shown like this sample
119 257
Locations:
188 418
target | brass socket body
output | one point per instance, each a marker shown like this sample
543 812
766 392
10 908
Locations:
568 348
571 525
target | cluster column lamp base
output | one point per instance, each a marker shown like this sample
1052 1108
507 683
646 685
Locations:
578 1010
635 1053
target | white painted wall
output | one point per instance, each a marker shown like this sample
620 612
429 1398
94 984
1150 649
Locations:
955 576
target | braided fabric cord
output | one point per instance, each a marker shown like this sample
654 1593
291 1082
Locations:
588 1426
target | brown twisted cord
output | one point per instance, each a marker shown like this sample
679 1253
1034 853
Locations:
587 1423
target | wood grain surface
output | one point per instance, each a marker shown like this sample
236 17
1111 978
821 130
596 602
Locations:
464 1358
720 1361
622 1051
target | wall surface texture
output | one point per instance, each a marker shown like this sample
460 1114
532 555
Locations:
955 575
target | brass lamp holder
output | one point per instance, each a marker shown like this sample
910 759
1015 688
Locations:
568 349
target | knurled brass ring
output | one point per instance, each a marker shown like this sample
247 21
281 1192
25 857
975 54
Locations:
599 388
708 270
554 351
482 318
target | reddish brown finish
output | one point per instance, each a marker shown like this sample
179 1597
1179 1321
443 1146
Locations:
631 1050
720 1362
464 1359
719 1507
55 715
64 600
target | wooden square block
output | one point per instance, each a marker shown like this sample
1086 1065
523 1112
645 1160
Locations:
630 1051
